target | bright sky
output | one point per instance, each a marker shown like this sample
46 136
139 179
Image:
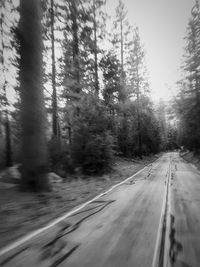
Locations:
162 25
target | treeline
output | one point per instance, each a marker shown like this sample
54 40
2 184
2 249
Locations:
81 91
187 103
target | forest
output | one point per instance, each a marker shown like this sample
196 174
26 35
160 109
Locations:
75 91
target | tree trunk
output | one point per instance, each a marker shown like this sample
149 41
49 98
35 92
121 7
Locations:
8 142
123 94
138 117
95 51
139 137
53 65
76 67
122 46
8 150
34 146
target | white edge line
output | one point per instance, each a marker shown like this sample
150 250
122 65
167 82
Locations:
159 232
167 234
194 166
56 221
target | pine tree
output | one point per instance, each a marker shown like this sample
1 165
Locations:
98 29
55 126
162 124
189 98
34 147
50 23
137 80
75 45
192 63
122 42
111 69
6 61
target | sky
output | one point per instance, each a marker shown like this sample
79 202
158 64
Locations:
162 25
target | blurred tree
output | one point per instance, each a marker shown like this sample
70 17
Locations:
55 124
121 43
162 123
138 82
111 69
50 23
74 60
98 29
188 100
6 61
34 147
92 143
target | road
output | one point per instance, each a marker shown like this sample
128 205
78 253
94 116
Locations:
152 219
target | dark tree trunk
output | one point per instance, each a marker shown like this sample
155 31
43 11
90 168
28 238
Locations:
139 118
139 137
76 66
53 65
122 45
34 146
95 51
8 142
70 135
123 93
8 150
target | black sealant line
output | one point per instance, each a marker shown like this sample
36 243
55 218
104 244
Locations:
164 226
75 226
60 235
64 257
13 256
82 211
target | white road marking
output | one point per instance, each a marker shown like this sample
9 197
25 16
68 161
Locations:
155 262
33 234
194 166
166 262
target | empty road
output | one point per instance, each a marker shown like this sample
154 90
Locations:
152 219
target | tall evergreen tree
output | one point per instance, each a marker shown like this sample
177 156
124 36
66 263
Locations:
34 147
138 82
192 63
162 123
111 70
99 19
51 31
188 101
6 61
122 42
55 127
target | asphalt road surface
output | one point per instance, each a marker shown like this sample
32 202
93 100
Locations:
152 219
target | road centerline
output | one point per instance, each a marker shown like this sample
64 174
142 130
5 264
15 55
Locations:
160 257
